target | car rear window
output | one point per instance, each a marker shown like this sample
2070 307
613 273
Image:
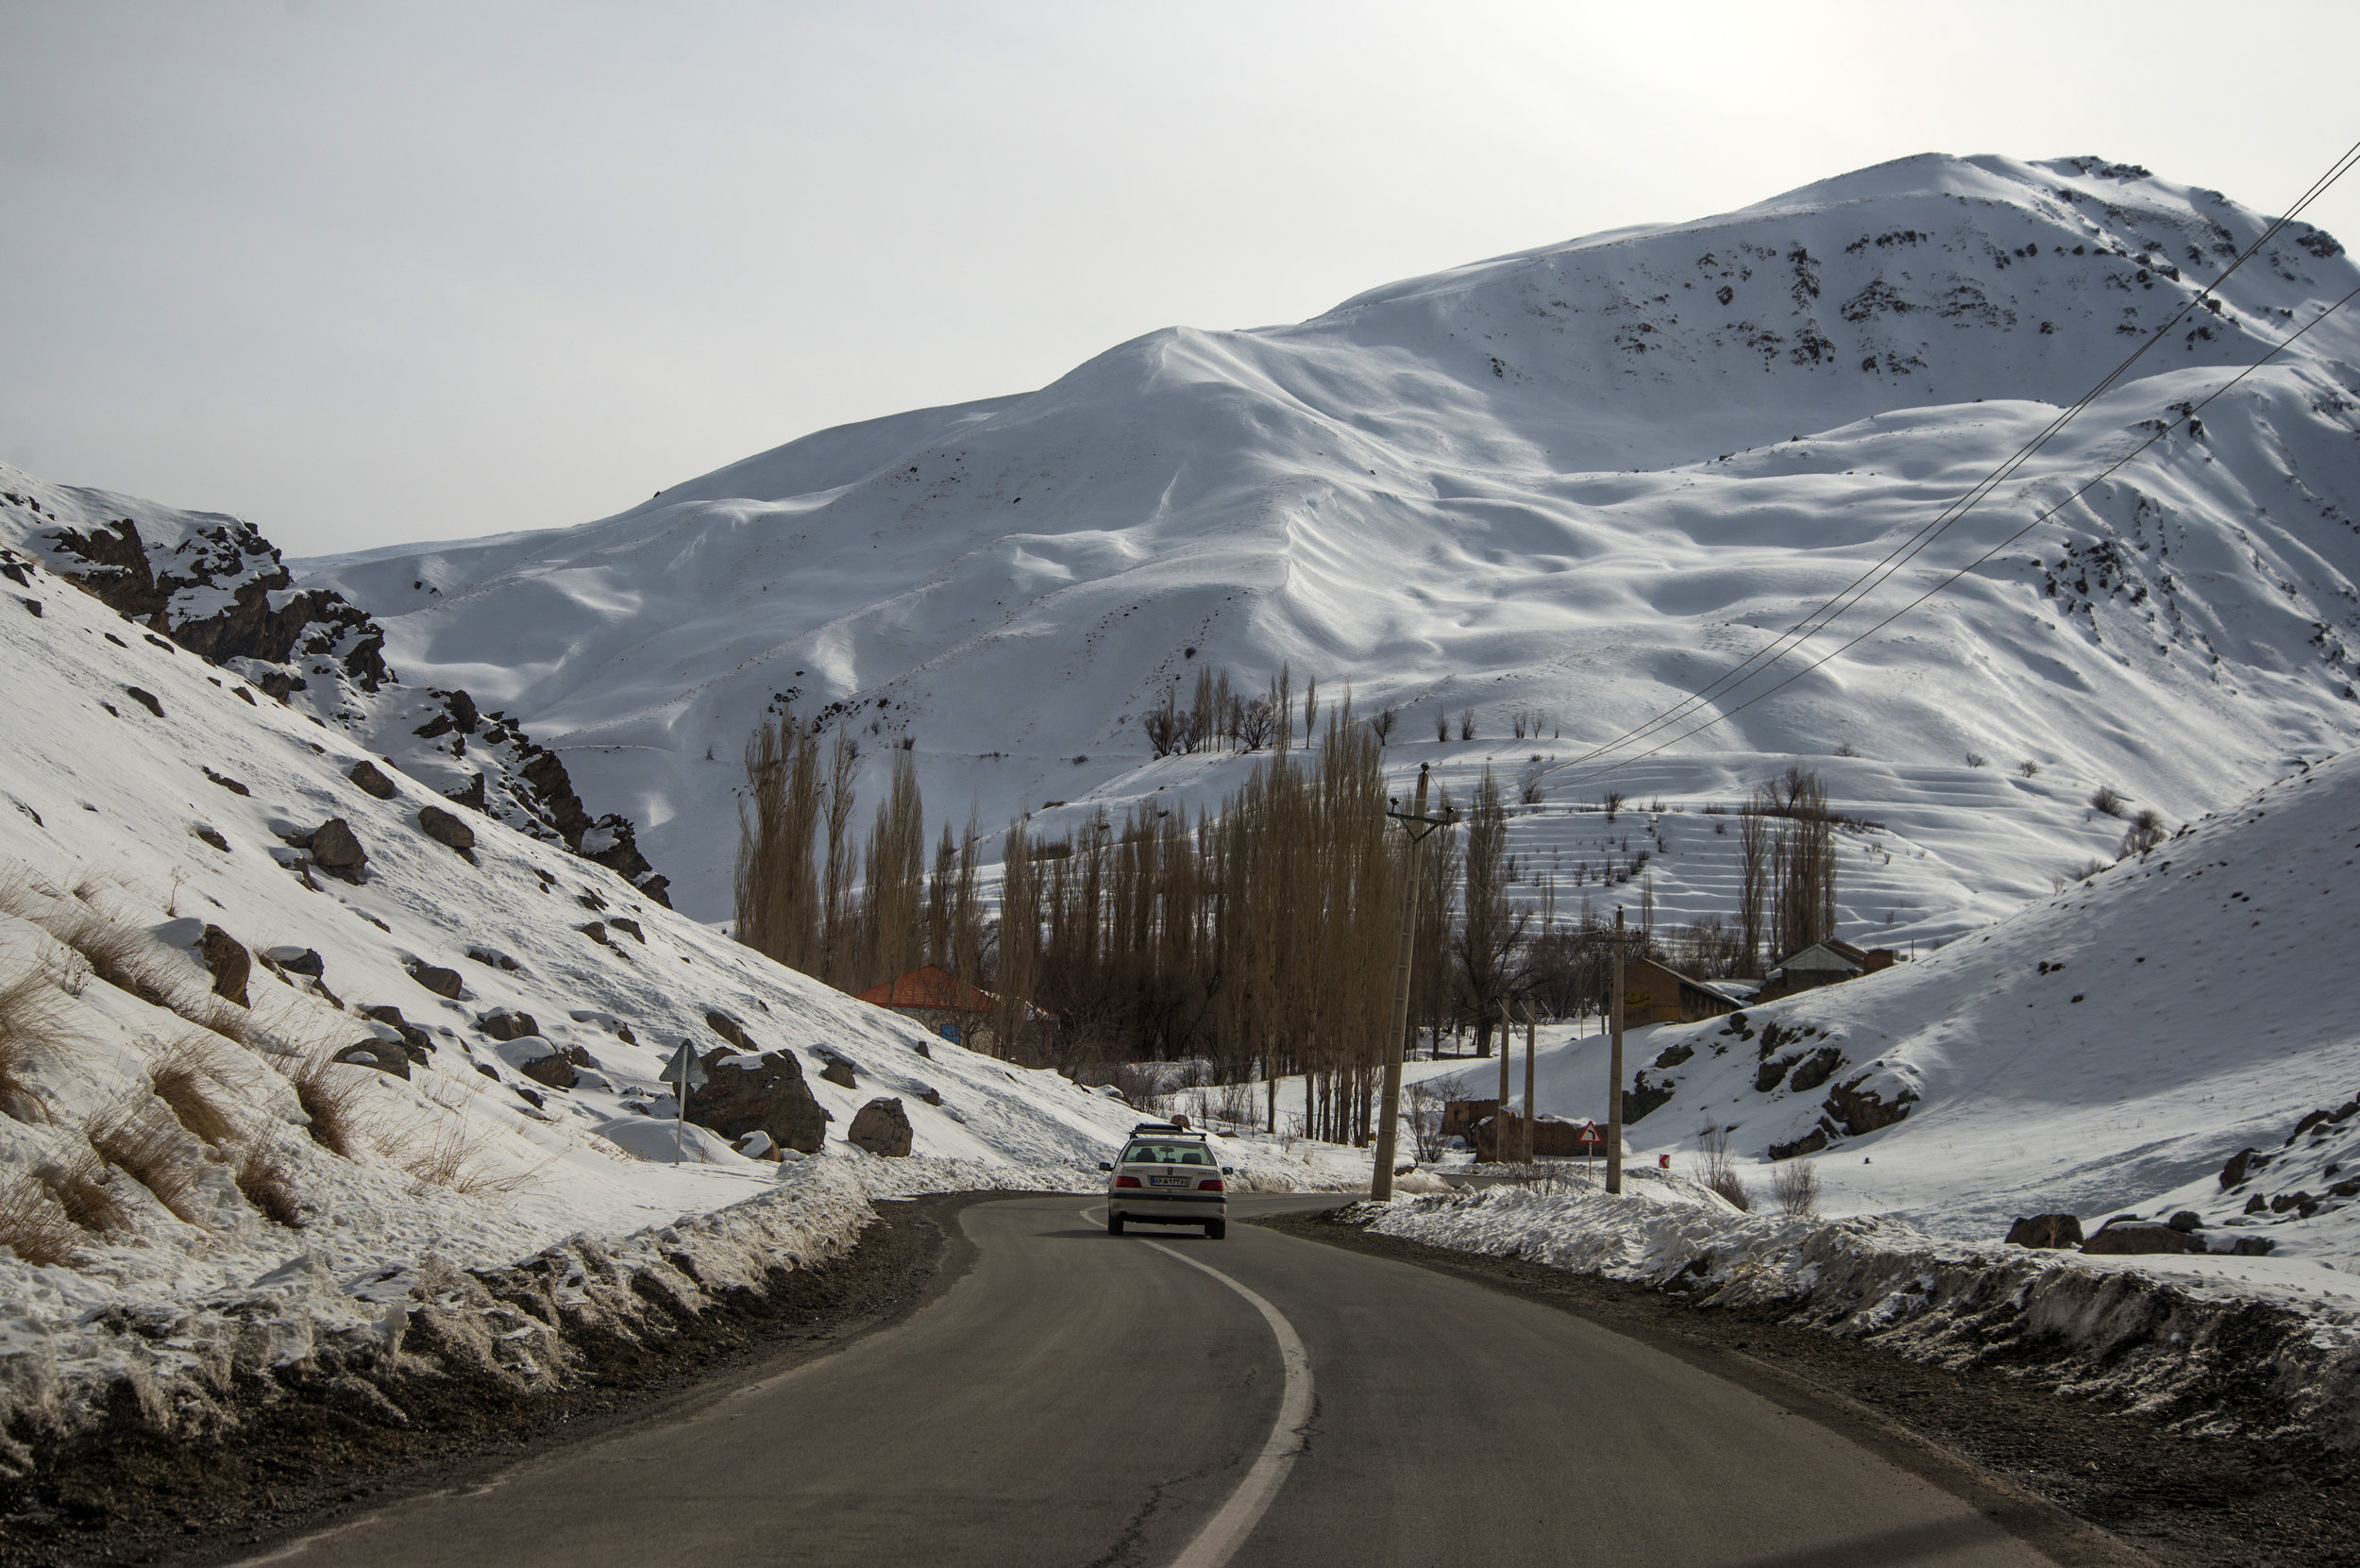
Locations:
1165 1153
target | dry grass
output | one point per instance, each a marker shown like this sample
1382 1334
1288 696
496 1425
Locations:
452 1152
123 956
1719 1169
79 1188
183 1079
149 1149
329 1095
29 1014
266 1175
31 1223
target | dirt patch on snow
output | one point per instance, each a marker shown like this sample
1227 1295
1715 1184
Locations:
304 1451
2178 1498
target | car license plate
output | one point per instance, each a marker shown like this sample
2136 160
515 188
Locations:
1167 1181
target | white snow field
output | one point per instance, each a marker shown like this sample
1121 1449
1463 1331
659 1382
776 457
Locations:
1577 482
146 794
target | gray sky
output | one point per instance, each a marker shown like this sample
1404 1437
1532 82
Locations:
369 273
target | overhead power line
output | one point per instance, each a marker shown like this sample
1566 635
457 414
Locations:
1826 614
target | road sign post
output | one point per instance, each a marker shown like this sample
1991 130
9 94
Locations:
685 1073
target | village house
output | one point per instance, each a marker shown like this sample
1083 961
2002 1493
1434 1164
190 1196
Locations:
1657 993
949 1008
1827 963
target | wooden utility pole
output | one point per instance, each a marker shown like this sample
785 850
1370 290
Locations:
1500 1145
1530 1027
1389 1113
1614 1073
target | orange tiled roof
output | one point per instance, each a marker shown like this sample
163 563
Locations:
931 987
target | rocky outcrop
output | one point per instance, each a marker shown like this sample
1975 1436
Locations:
2050 1231
442 982
445 829
882 1127
1645 1096
414 1041
371 779
336 850
746 1092
508 1024
1816 1069
1864 1110
2137 1236
231 964
384 1055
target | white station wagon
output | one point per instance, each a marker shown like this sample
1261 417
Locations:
1167 1177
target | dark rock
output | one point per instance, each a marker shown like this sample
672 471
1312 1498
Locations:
1672 1055
2186 1220
2252 1246
2257 1205
595 930
337 852
145 700
726 1026
759 1091
384 1055
1816 1069
631 926
1767 1076
296 960
556 1069
472 796
1810 1143
209 834
927 1092
371 779
2241 1165
491 960
2052 1231
2132 1238
231 964
442 827
442 982
1864 1110
839 1071
230 784
505 1024
414 1041
1642 1096
882 1127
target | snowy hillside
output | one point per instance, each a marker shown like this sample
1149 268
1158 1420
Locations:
246 1078
2108 1051
1577 482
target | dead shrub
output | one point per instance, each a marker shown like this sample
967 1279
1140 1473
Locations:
147 1149
123 956
330 1096
1795 1187
265 1174
455 1157
31 1223
182 1080
29 1014
1719 1169
80 1187
2108 802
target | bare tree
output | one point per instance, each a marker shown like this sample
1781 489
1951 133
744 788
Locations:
1795 1187
1717 1169
1753 883
2145 833
1490 931
2029 769
1383 724
777 893
1442 724
1466 724
838 926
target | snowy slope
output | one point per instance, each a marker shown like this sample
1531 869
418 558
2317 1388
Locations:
2104 1052
118 753
1579 480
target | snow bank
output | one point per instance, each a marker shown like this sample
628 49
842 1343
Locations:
2246 1354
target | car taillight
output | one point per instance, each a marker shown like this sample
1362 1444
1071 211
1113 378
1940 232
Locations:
1126 1181
1211 1183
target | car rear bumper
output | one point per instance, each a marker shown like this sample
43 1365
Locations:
1190 1208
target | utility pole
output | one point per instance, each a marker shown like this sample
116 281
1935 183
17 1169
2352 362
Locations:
1507 1054
1614 1071
1530 1028
1418 825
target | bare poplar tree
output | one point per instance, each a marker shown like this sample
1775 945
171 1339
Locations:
1753 876
837 913
777 894
893 881
1491 931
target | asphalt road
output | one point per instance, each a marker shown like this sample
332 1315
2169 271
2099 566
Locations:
1081 1399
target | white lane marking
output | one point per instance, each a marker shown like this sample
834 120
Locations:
1218 1540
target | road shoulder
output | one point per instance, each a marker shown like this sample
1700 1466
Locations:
299 1460
2082 1485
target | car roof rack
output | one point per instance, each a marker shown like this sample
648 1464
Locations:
1167 1129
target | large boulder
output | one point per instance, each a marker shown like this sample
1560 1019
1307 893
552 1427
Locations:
882 1127
371 779
1864 1110
442 827
759 1091
544 1061
2052 1231
508 1024
231 964
2133 1237
415 1041
442 982
337 852
384 1055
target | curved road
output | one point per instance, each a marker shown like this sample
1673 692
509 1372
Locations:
1081 1399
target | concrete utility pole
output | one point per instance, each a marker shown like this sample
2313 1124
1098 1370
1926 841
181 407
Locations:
1530 1027
1418 825
1614 1073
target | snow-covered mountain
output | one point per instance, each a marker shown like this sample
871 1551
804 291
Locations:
1580 481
